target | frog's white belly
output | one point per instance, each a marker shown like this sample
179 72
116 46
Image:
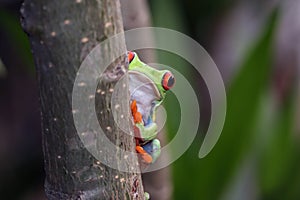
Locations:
144 91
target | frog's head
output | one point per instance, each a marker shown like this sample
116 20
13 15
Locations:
161 80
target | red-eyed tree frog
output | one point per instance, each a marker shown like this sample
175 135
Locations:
147 87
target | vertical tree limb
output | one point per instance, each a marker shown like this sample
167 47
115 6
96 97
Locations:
61 34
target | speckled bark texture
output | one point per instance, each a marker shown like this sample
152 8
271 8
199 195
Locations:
62 33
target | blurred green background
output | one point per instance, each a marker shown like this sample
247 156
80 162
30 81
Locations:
258 153
255 44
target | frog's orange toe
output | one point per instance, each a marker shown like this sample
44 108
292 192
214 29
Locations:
147 158
137 116
133 107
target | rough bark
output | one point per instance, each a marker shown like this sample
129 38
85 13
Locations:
61 34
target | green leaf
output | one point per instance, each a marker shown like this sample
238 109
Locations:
280 160
208 177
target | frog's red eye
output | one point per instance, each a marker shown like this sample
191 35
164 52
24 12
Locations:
168 81
130 56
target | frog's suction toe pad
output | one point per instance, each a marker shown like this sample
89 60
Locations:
168 81
130 55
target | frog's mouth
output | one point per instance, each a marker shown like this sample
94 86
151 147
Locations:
145 92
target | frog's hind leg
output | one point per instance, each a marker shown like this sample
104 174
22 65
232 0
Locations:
147 158
150 151
153 149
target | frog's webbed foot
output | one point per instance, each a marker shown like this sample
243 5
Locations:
137 116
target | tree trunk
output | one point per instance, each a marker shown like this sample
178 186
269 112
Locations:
61 34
